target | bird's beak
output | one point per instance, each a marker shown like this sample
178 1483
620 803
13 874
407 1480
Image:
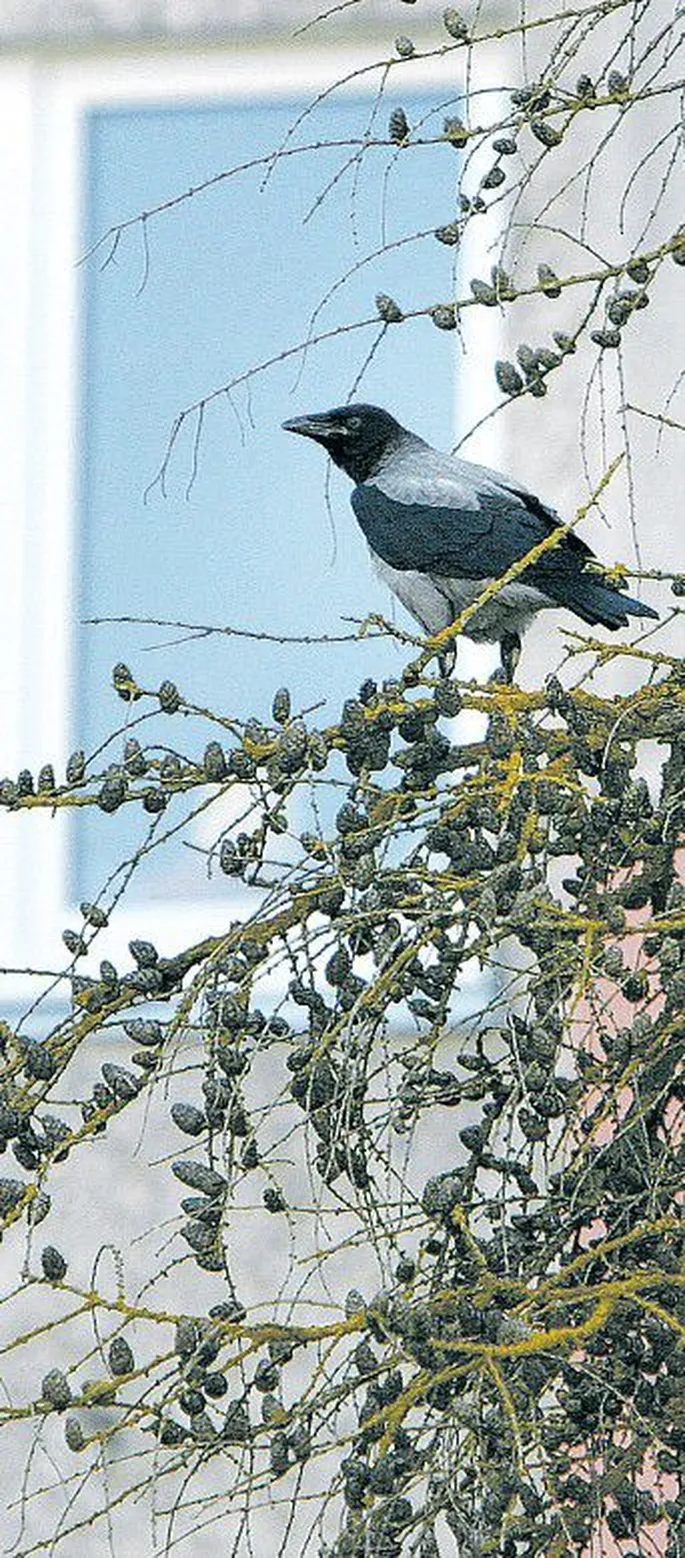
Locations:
319 426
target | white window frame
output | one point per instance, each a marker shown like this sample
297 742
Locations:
43 101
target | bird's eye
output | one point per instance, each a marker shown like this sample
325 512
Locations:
354 424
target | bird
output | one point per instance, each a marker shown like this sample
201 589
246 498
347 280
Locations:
440 528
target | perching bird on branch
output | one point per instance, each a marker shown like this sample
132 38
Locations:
439 529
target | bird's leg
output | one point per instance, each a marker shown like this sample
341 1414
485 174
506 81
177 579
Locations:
510 652
447 660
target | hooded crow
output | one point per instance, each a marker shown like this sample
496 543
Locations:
440 528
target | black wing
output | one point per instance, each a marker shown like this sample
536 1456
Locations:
466 542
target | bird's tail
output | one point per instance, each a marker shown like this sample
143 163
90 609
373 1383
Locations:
598 602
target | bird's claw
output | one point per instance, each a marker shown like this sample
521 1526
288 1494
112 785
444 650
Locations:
510 652
447 660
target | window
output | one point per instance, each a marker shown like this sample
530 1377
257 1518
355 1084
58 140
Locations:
108 363
242 534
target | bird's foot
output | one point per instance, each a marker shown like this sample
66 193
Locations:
510 652
447 660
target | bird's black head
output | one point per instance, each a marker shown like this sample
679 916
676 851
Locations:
355 437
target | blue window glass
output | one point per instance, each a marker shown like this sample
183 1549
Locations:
229 279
